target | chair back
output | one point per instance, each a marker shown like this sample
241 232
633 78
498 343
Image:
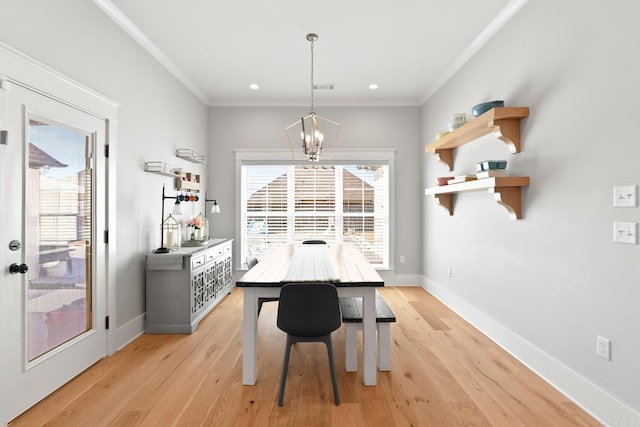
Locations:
251 261
314 242
309 309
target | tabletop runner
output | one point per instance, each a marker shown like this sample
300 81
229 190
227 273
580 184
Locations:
311 263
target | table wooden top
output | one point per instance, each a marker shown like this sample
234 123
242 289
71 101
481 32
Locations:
348 263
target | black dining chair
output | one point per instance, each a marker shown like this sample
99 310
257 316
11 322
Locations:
314 242
309 312
252 261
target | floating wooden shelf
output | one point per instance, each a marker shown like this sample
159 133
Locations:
504 122
506 191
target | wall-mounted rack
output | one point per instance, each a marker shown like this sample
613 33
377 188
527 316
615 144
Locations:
503 122
184 181
187 181
190 155
506 191
162 168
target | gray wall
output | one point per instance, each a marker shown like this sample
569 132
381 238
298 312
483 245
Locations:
157 115
362 127
555 278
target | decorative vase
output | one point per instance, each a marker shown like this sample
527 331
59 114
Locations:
204 227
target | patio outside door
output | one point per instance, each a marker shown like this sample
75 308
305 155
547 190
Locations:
54 188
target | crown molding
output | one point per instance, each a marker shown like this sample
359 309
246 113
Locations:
485 35
118 16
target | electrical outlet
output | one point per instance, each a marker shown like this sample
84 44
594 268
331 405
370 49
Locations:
604 347
402 259
625 232
449 272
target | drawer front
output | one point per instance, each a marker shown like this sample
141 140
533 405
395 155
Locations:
197 261
213 254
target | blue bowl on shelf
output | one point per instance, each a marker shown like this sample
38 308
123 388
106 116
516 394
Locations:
480 109
487 165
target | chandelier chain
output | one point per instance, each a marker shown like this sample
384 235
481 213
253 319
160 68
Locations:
311 40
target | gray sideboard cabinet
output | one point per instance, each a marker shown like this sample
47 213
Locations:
184 286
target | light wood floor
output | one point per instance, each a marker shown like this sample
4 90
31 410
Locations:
443 373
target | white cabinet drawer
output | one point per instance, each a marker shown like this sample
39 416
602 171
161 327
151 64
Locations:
197 261
213 254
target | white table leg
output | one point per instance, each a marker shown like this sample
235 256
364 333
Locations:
369 336
351 346
249 336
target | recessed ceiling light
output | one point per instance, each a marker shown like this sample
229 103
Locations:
373 86
254 86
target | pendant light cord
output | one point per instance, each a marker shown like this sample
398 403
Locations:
311 38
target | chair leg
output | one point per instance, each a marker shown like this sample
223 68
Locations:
285 369
332 367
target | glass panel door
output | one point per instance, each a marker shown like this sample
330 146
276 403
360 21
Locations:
59 235
54 195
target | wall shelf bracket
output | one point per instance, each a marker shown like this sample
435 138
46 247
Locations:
510 198
506 191
445 156
503 122
446 201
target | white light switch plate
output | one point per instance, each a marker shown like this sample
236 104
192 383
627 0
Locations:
625 196
625 232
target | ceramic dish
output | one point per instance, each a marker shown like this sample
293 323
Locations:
490 165
442 133
480 109
443 180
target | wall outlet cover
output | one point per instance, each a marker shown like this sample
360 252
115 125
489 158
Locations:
625 232
625 196
603 347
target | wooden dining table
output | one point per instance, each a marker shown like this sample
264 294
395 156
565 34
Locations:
344 265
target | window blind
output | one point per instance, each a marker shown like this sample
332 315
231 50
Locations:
337 203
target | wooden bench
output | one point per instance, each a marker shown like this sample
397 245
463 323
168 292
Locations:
352 318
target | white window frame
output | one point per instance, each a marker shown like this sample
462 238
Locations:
382 156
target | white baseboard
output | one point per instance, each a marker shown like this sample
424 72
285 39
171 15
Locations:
598 403
405 280
390 278
127 333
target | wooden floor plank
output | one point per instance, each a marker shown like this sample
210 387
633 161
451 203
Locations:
443 373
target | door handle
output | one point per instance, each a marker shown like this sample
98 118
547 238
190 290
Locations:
15 268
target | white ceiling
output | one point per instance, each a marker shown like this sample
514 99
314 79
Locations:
217 48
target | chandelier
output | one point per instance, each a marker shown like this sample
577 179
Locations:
308 128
